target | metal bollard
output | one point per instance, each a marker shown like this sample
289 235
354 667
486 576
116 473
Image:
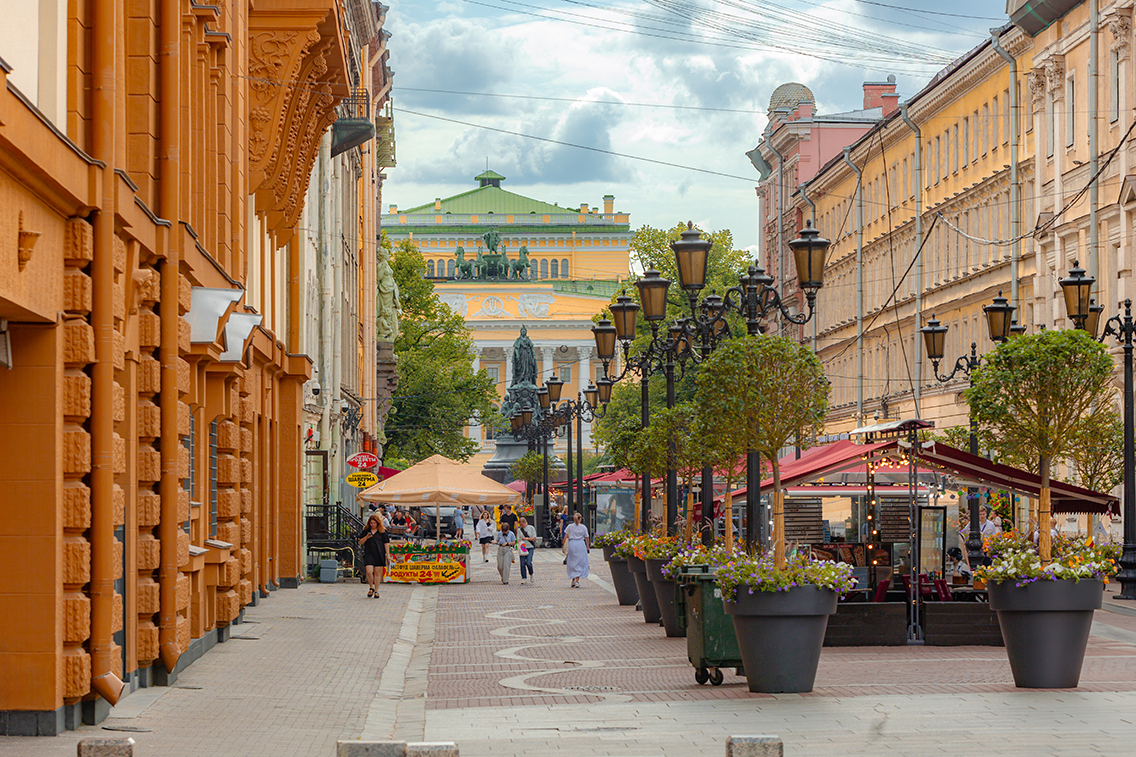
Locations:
114 747
754 746
395 749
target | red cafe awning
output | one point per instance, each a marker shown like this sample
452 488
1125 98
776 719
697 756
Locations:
844 455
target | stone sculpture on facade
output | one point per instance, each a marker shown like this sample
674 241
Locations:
387 304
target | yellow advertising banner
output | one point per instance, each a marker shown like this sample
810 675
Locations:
427 569
362 479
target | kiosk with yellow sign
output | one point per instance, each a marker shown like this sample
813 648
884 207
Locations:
436 482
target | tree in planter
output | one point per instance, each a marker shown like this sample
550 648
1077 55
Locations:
724 448
1097 452
624 449
769 391
678 425
530 469
1039 394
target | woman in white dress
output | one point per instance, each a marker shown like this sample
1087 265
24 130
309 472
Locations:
578 546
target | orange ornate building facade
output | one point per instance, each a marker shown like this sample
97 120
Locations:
153 165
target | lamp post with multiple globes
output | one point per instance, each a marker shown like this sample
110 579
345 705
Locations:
1077 288
692 338
999 321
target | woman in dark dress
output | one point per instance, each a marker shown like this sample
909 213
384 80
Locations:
374 540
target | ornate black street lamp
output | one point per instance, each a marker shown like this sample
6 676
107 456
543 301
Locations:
999 321
754 299
1085 314
557 415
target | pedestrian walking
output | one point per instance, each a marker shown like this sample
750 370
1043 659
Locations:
508 516
459 524
526 543
564 531
578 546
374 541
506 541
484 532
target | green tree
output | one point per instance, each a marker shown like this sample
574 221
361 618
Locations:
677 426
438 391
769 391
650 247
530 469
1097 451
1038 394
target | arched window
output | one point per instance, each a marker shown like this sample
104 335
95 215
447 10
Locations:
564 268
544 269
450 268
555 269
430 268
534 270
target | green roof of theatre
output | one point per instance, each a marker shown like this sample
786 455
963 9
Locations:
490 198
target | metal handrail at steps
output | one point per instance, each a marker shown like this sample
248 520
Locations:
333 528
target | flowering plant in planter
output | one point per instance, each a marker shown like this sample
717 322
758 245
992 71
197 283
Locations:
658 547
760 573
1018 559
612 538
628 546
697 554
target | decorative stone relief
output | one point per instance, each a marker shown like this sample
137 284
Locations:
27 242
492 307
534 305
1036 79
1054 67
459 303
1120 26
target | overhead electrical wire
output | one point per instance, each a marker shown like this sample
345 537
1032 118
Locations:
849 55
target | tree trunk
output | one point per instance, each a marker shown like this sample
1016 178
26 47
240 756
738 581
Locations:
778 515
1044 538
728 512
689 531
638 509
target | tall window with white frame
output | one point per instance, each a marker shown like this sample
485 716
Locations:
1070 110
1114 87
1050 124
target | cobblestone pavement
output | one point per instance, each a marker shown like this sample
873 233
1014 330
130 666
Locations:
305 672
528 669
544 669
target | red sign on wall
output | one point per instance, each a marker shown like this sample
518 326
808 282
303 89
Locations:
363 460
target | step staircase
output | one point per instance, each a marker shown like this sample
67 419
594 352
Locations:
335 529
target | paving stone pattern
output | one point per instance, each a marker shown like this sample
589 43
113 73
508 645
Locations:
304 676
543 669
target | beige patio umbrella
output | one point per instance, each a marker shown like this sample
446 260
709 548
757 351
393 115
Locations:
439 481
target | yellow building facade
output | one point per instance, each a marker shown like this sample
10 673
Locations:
905 208
152 174
577 258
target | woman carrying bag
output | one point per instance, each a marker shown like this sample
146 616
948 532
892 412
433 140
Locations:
506 541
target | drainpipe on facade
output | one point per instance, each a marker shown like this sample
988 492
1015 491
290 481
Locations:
104 681
1015 189
919 265
813 208
323 246
335 249
779 209
169 198
859 287
1094 158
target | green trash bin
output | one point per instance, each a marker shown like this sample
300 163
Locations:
710 640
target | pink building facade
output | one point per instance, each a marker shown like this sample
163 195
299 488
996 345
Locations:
796 144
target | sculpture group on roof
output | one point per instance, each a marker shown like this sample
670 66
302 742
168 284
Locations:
494 264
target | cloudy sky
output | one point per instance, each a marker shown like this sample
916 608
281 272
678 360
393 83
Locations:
682 82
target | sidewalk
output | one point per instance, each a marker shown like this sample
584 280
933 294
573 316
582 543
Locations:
544 669
301 672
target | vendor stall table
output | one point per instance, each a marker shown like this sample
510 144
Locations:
445 562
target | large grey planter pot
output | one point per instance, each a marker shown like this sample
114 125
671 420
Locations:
665 594
647 599
621 578
780 635
1045 626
